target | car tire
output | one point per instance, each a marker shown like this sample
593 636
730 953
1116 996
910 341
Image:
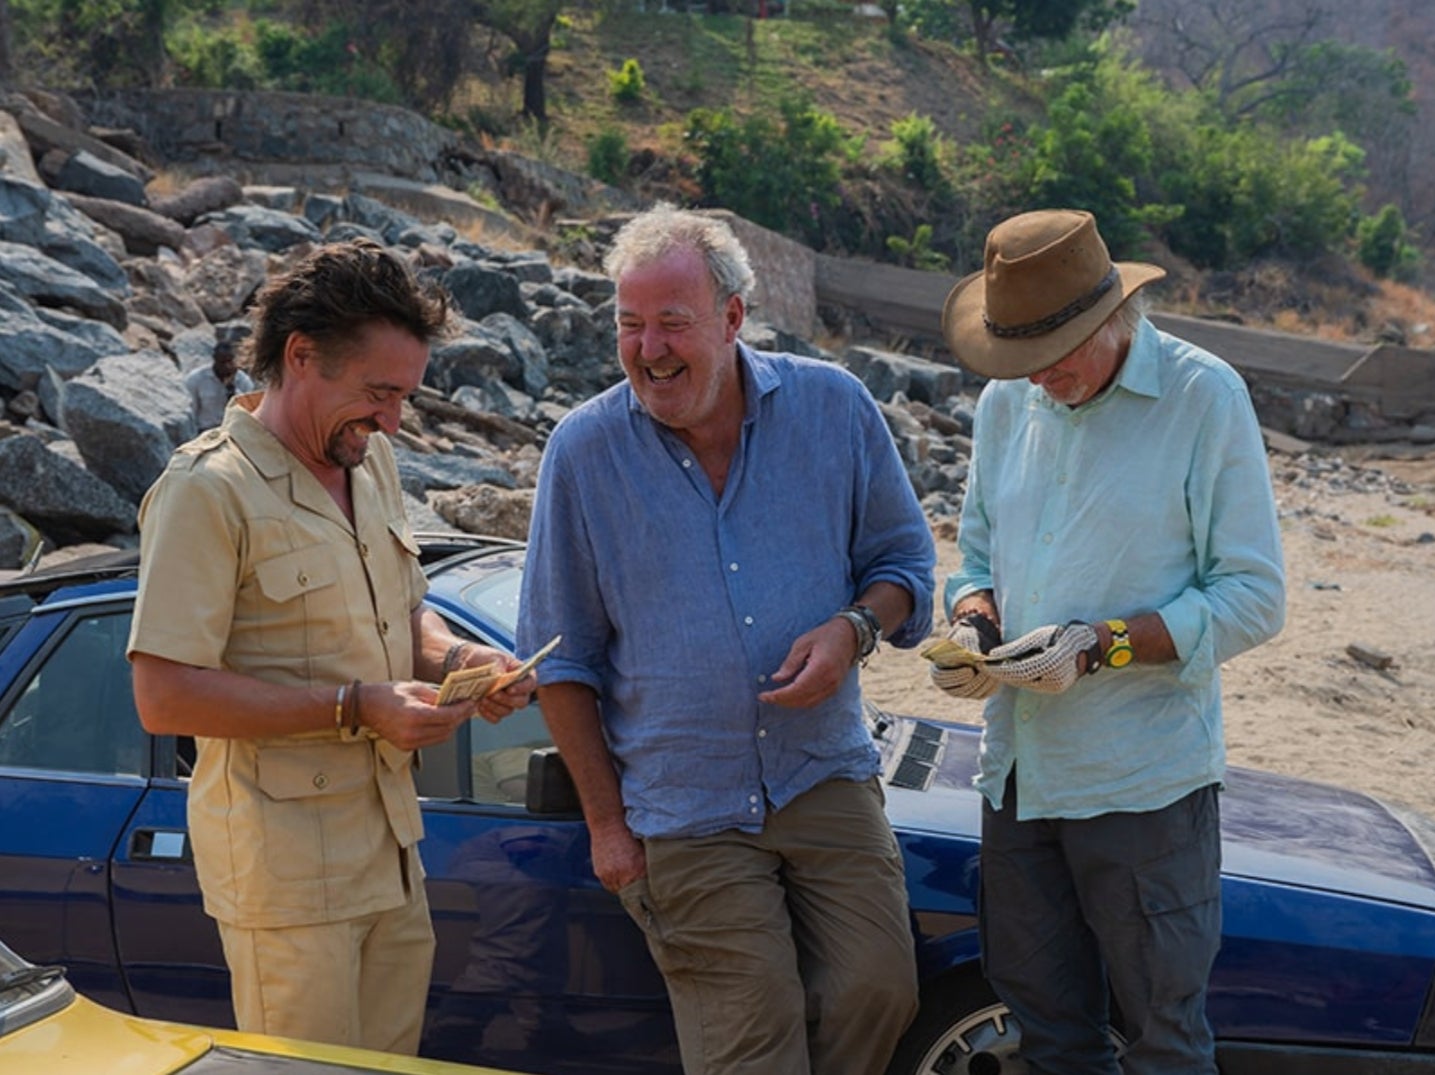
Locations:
963 1029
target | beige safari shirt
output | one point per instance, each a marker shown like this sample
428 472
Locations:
248 564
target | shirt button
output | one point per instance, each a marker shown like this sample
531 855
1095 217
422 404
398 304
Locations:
1035 597
732 566
747 620
363 549
752 798
1061 479
752 809
303 578
383 627
1047 539
321 781
762 733
762 678
688 464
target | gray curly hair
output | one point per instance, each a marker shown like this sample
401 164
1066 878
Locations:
664 228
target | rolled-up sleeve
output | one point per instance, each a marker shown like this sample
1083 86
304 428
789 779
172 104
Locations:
893 541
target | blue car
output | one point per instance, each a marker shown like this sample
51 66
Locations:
1326 965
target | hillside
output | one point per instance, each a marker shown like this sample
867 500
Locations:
851 69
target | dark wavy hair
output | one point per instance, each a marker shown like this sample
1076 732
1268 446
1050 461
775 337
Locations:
333 295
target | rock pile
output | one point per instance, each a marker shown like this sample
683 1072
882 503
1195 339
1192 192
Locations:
109 296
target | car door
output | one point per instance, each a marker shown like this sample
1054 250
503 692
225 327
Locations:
73 769
537 965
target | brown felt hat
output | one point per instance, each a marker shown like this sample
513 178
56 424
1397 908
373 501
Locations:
1047 284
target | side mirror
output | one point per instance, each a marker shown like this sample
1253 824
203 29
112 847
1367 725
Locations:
550 788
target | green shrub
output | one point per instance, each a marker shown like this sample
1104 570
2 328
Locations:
782 174
627 84
1382 245
918 150
608 156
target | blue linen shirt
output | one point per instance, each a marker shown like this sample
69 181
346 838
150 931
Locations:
1154 496
676 606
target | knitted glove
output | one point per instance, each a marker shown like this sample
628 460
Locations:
955 666
1047 659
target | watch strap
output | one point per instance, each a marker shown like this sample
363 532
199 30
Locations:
868 627
1119 654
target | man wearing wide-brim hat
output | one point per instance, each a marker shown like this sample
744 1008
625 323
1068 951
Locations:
1118 542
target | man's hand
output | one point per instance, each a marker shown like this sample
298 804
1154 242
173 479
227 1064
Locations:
976 633
405 714
494 707
1049 659
618 856
820 661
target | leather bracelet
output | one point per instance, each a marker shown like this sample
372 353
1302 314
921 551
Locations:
354 707
450 659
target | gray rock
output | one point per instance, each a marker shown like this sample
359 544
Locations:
23 209
383 219
84 173
58 496
268 229
18 540
223 281
479 290
161 293
144 231
127 414
37 341
418 473
484 509
209 194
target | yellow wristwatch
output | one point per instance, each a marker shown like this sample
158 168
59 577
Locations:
1119 654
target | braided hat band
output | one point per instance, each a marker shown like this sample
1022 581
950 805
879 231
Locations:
1047 284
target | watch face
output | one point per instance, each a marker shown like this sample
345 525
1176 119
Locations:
1119 656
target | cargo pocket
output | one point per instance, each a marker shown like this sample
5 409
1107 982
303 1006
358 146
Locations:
318 806
637 900
1180 896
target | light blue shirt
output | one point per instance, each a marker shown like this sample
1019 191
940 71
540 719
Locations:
676 606
1153 497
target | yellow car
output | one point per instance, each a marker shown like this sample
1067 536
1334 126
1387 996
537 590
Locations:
46 1028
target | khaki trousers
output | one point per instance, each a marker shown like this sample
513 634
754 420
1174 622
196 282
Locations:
789 950
361 981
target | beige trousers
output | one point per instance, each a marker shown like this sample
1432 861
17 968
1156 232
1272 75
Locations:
361 982
785 951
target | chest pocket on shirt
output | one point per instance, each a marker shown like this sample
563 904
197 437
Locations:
307 613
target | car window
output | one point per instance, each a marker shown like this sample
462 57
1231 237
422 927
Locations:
498 758
495 598
487 762
77 712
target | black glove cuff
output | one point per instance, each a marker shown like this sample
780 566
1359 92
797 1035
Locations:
987 631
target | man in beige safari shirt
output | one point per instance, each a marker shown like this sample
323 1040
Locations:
279 622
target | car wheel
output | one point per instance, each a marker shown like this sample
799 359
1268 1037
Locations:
965 1030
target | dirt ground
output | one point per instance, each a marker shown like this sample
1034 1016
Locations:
1360 572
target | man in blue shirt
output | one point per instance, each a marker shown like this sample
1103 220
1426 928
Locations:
1119 531
720 540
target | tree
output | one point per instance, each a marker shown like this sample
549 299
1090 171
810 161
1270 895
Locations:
990 21
7 54
1232 50
529 25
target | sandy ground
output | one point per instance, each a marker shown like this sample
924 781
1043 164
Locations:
1360 571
